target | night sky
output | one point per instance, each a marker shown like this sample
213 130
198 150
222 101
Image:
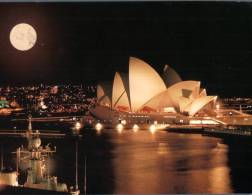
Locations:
88 42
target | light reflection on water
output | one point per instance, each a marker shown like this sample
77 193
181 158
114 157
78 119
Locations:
130 162
169 163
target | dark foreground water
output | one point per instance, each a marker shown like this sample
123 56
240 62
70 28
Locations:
147 163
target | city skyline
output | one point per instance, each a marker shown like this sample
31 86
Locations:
87 42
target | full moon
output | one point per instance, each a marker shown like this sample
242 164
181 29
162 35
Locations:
23 37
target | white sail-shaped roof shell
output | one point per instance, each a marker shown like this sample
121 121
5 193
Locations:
199 103
170 76
159 101
144 83
195 92
105 100
100 92
184 103
119 92
203 93
104 94
143 88
176 91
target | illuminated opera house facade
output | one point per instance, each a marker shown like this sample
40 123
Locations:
144 97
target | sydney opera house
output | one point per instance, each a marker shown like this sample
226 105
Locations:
144 97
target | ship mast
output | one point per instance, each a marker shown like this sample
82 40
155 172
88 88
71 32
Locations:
30 124
76 131
1 157
85 176
76 164
17 160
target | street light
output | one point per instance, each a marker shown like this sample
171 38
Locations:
119 128
135 128
98 126
78 125
152 129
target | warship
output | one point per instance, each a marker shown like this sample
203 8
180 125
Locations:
37 157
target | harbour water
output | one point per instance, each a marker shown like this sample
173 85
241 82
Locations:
141 162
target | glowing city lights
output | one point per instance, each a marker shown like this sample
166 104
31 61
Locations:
44 106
